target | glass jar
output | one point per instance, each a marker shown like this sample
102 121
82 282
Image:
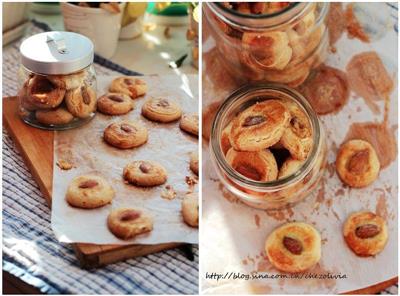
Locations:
278 193
57 81
280 47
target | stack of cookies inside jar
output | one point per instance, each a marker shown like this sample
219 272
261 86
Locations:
269 41
268 146
57 80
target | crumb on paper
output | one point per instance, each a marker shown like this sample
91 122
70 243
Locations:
191 183
64 165
168 192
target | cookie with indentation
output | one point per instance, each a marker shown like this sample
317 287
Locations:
190 123
194 162
145 173
129 85
294 247
259 126
114 104
289 167
357 163
69 81
190 209
42 93
81 101
365 233
257 166
126 134
161 110
57 116
89 192
126 223
298 136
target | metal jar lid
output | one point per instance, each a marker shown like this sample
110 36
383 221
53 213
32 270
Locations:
56 52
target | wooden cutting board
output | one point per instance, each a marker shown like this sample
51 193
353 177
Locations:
36 147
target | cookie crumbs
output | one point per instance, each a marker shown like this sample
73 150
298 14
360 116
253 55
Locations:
168 193
191 183
64 165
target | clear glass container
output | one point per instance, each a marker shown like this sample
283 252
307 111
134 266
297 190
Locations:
280 47
57 81
282 192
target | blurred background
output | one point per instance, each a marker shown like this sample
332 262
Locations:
146 37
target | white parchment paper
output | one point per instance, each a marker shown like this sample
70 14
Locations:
87 151
233 234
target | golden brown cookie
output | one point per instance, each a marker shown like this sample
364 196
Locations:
89 192
114 104
257 166
259 126
194 162
81 102
298 136
57 116
161 110
125 134
267 50
69 81
126 223
190 209
365 233
145 173
190 123
289 167
294 247
357 163
43 94
225 138
129 85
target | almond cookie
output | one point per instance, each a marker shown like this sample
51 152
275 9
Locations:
127 223
225 138
125 134
289 167
145 173
161 110
259 126
190 123
194 162
131 86
365 233
43 94
297 137
89 192
294 247
54 116
81 102
190 210
114 104
357 163
269 50
258 166
68 82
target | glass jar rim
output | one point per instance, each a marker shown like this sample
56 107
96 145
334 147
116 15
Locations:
271 21
241 180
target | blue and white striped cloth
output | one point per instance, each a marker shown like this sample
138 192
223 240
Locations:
32 253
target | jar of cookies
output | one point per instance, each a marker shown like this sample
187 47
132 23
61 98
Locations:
269 41
268 146
57 81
